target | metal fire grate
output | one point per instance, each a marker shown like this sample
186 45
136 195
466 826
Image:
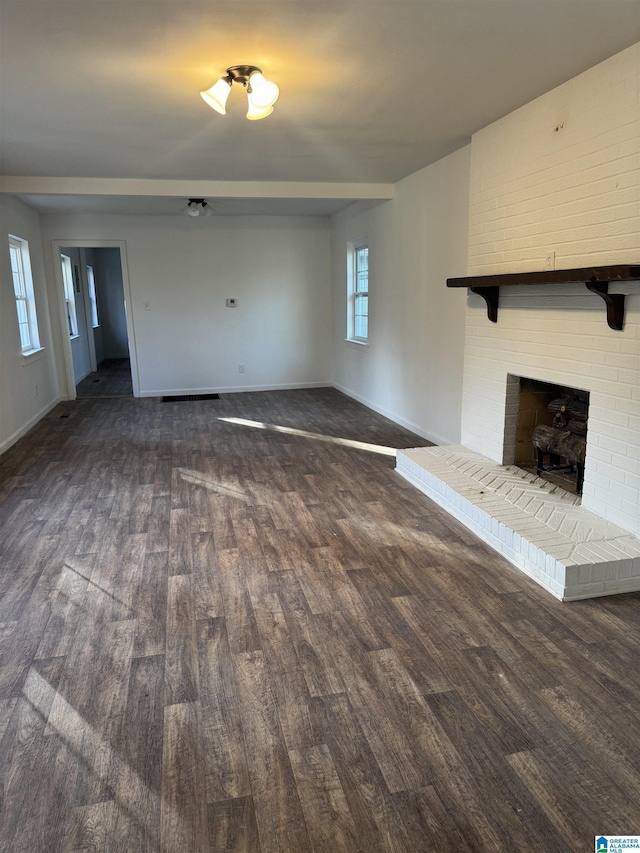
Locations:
190 398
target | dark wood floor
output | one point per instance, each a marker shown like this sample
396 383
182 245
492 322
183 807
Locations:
112 379
219 637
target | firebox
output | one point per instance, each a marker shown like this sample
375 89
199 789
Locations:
551 432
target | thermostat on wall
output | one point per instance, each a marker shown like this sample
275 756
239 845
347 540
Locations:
231 303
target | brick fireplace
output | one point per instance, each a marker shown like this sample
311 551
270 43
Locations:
554 185
554 338
560 338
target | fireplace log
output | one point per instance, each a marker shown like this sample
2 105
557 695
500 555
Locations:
570 404
564 444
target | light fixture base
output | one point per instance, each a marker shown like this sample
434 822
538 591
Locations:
241 73
197 207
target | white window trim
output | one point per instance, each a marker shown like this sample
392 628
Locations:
32 355
21 247
352 249
93 297
69 295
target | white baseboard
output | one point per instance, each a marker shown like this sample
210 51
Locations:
430 436
174 392
24 429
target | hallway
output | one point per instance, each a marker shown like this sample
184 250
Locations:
112 379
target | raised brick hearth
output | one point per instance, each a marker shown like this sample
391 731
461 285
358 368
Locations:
539 527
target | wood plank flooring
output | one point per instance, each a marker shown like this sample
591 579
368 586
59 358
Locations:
112 379
220 636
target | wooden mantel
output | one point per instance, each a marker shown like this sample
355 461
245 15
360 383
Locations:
596 279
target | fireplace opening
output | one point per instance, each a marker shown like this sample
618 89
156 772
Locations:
551 432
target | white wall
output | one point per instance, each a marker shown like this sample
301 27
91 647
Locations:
276 267
27 390
412 368
111 313
575 191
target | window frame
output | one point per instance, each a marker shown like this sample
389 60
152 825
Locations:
20 262
356 292
69 295
93 298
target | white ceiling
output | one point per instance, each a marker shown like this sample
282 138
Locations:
371 90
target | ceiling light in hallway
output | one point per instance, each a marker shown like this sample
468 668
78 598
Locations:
197 207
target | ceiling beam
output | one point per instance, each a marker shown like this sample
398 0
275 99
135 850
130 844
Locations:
185 189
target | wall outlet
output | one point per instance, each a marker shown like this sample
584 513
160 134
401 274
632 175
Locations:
146 306
551 261
241 368
231 303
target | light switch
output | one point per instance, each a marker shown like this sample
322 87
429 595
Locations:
231 303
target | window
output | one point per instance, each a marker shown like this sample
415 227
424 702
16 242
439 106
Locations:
23 290
358 293
93 301
69 295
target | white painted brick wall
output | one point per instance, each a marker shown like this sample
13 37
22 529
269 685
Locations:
575 191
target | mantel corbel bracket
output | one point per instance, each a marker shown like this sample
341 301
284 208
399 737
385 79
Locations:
596 279
614 302
491 296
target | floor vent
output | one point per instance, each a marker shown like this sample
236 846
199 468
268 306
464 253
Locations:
190 398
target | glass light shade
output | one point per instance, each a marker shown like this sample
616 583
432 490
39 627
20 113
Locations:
264 93
197 207
255 112
217 95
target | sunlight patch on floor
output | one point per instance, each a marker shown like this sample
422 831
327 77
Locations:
315 436
197 478
132 795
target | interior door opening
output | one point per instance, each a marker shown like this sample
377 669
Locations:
101 358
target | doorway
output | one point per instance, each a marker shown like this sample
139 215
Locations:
112 378
94 296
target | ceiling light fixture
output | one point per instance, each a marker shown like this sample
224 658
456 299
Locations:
197 207
261 93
